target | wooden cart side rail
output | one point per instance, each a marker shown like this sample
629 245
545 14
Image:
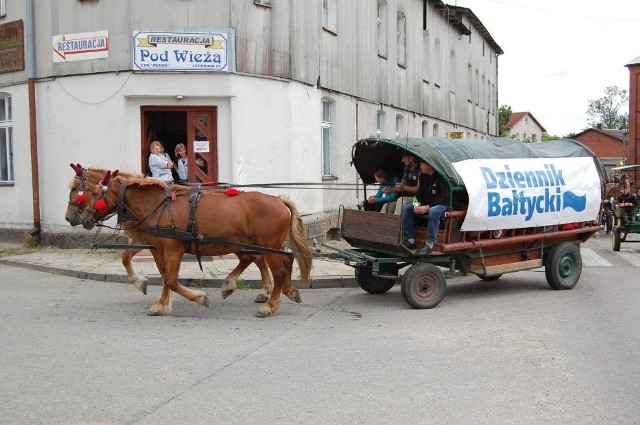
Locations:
578 235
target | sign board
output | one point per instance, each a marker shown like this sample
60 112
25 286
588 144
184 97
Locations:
516 193
80 46
201 146
455 135
11 46
184 51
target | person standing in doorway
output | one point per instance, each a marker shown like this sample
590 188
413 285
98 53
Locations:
181 165
159 165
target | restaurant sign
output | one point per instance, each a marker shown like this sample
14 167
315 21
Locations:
184 51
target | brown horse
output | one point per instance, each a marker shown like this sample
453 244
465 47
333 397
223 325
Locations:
88 178
212 223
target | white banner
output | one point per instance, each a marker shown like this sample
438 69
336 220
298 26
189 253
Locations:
516 193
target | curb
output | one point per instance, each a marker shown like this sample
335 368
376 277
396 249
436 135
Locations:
318 283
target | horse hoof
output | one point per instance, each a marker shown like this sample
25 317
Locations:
155 310
226 293
141 286
203 300
262 298
295 296
264 311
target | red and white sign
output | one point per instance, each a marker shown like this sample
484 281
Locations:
81 46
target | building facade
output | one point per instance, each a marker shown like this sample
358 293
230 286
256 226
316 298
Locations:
523 126
633 137
260 91
607 144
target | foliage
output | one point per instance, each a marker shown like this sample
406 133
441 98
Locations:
504 115
604 111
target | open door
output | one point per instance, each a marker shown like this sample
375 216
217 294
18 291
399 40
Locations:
195 126
202 148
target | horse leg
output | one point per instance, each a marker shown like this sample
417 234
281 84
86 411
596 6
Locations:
163 305
139 281
172 268
267 279
281 269
230 282
287 288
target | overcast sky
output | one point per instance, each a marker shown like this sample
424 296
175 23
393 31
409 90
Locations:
559 54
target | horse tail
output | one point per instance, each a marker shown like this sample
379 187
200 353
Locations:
298 241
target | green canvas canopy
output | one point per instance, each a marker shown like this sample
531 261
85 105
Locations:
625 167
372 154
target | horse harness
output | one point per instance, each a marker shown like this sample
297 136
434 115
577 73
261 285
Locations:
191 237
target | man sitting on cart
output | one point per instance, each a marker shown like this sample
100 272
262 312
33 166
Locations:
433 198
626 202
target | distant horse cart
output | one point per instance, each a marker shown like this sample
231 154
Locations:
626 215
512 207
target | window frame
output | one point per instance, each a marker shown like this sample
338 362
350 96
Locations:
326 136
7 176
381 18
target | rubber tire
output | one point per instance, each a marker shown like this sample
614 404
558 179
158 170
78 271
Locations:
489 278
563 266
423 286
615 239
374 284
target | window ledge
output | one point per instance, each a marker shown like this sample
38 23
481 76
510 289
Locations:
329 178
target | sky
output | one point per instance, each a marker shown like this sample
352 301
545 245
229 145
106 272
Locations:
559 54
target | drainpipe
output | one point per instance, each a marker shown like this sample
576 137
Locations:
33 133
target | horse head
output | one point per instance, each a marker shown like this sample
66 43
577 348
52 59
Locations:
98 204
77 196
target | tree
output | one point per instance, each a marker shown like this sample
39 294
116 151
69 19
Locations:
504 115
604 111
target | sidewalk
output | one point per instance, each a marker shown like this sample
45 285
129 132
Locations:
105 265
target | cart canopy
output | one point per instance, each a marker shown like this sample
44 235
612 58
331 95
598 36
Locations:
502 183
372 154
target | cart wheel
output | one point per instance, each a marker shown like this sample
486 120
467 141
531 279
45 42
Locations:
423 286
563 266
615 239
375 284
489 277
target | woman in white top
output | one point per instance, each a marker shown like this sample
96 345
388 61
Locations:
159 165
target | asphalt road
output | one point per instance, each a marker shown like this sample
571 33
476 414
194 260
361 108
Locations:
503 352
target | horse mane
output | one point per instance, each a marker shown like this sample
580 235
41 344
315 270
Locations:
141 180
126 174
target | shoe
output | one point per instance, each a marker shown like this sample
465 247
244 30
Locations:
424 251
409 248
409 245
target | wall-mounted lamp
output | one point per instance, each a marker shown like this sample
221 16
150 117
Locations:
180 97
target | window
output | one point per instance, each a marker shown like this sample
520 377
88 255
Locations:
267 3
3 7
6 139
380 123
436 130
327 126
399 126
425 128
330 16
402 39
382 28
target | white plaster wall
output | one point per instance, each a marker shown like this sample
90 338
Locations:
16 205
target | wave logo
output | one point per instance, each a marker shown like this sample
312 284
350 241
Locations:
573 201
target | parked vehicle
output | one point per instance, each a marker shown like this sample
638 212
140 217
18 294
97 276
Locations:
513 206
626 218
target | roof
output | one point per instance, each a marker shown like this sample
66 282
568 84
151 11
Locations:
475 21
636 61
616 134
518 116
372 154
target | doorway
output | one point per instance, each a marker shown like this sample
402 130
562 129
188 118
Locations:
194 126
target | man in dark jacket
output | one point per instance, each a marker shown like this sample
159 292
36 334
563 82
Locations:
433 196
